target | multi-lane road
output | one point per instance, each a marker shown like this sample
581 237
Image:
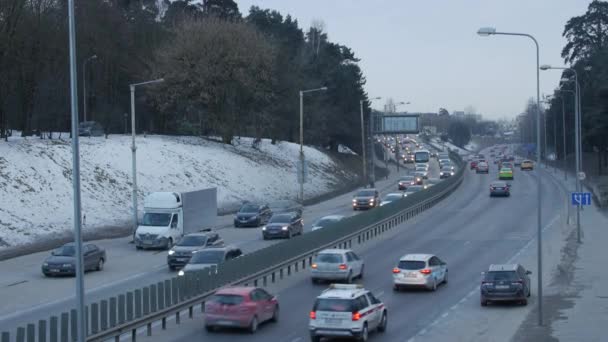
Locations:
27 296
469 230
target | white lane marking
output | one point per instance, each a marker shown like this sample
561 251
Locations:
411 339
422 332
297 339
445 314
454 307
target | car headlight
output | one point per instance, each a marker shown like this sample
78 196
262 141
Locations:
180 273
171 252
452 173
354 200
284 227
67 265
264 228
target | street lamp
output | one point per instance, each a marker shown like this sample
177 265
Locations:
363 138
577 138
301 175
134 148
561 91
488 31
84 85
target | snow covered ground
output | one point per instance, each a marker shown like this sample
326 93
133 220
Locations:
36 188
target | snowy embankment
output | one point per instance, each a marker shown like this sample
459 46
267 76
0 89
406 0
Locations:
36 183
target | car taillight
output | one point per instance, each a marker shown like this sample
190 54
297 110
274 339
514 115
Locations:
313 265
396 270
425 271
342 267
356 316
313 315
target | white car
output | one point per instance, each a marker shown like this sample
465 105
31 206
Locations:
325 220
336 264
420 270
346 311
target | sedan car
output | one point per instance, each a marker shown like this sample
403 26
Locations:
336 264
406 181
325 221
283 226
482 167
392 197
210 257
505 283
366 199
500 189
420 270
63 262
527 165
446 172
179 255
252 215
240 307
505 173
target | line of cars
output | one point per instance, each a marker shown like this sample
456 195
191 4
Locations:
506 165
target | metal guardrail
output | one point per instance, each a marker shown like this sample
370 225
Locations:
126 313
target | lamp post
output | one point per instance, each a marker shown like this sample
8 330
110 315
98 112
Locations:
577 139
488 31
561 91
134 148
84 86
363 145
301 175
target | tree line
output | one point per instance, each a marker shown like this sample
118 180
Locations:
225 74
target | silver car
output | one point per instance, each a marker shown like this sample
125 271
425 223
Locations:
210 257
336 264
420 270
325 221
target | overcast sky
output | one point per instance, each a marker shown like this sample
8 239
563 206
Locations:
427 51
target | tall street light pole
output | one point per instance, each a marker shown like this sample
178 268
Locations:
363 145
80 308
561 92
577 139
84 86
134 148
301 170
488 31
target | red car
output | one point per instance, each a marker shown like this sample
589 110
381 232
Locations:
240 307
473 164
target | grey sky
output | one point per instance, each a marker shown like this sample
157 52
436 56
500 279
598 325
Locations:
428 52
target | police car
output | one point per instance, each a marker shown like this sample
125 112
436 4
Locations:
346 311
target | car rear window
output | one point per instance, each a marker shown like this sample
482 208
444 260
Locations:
332 258
334 304
411 265
501 275
226 299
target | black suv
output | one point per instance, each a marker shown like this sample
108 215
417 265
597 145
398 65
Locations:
252 215
505 283
179 255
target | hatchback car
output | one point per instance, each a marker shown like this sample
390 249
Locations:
500 189
252 215
210 257
63 262
503 283
348 311
420 270
446 172
505 173
179 255
240 307
366 199
527 165
406 181
336 264
482 167
283 225
325 221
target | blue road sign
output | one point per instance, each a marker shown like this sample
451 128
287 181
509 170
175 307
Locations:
581 198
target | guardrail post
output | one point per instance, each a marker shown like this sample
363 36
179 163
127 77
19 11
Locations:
167 294
133 335
94 318
265 281
190 312
54 329
177 318
129 306
304 262
112 312
149 329
288 270
138 303
65 327
121 308
73 324
273 277
295 266
146 300
281 274
31 333
174 291
255 283
42 330
164 323
21 334
104 315
153 298
6 336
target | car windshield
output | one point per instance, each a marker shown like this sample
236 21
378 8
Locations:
446 169
505 170
208 257
187 241
421 169
226 299
334 304
156 219
249 208
366 193
330 258
68 250
411 265
501 276
280 219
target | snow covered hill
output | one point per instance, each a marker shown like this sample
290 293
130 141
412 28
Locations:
36 188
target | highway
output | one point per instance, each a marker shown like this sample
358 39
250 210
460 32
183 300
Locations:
469 230
28 296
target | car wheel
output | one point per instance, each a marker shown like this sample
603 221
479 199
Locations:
483 302
99 265
349 278
236 225
434 285
529 293
315 338
169 244
445 278
253 326
275 315
524 302
314 280
264 237
171 268
364 334
210 328
289 234
138 247
361 273
396 288
383 323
